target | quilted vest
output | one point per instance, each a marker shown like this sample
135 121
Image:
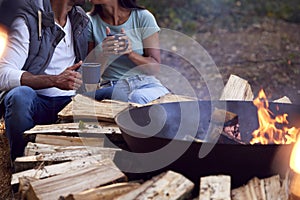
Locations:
43 41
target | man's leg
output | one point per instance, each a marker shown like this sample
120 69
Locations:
19 110
23 110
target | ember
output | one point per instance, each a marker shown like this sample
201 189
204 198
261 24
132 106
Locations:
268 133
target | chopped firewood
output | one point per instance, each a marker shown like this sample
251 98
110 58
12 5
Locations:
43 152
89 128
75 181
172 98
69 141
36 149
257 188
261 189
139 191
242 193
104 193
253 190
56 169
168 186
285 187
272 187
284 99
237 89
24 186
82 107
215 187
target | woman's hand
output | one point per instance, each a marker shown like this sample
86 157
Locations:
118 44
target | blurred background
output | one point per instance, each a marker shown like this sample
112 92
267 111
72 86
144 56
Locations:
256 40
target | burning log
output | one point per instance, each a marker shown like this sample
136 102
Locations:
215 187
229 123
75 181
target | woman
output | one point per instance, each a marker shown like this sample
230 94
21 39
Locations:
134 58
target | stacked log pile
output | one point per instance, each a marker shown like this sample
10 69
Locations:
71 161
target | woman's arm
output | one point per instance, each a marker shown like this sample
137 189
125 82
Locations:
150 61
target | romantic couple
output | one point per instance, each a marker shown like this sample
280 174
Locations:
48 41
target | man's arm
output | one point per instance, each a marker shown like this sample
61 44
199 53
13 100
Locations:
67 80
14 58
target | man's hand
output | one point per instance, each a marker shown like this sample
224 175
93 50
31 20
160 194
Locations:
69 79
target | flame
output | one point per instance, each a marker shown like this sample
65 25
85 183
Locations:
295 157
268 132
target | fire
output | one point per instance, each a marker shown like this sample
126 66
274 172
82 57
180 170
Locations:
268 132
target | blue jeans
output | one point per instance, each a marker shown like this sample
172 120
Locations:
24 109
137 89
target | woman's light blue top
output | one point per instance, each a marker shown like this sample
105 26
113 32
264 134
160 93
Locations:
140 25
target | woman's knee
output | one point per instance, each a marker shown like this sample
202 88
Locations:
138 97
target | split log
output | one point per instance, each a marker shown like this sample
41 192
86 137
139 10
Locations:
272 187
24 186
167 186
34 149
215 187
76 181
172 98
82 107
237 89
284 99
254 189
261 189
242 193
257 188
67 129
56 169
138 191
104 193
69 141
61 154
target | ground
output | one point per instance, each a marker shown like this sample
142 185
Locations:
267 54
5 173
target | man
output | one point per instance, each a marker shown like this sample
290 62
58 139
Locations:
38 73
